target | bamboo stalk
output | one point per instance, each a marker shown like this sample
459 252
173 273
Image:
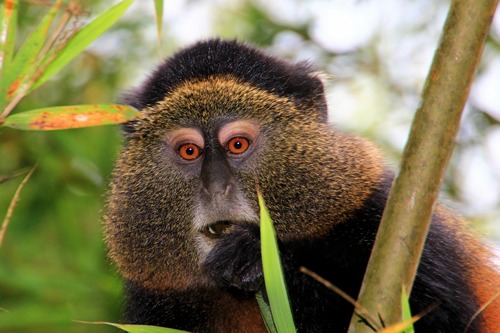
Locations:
409 209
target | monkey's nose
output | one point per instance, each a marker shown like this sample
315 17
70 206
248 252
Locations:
216 175
217 190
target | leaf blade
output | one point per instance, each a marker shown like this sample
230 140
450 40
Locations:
75 116
7 39
406 311
8 32
82 39
135 328
265 312
159 18
146 329
273 273
27 54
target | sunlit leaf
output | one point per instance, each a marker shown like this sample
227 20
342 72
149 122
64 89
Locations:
82 39
273 273
146 329
406 311
138 328
7 38
399 327
76 116
406 326
159 17
8 31
29 51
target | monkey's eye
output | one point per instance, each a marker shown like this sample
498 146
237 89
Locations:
237 145
189 151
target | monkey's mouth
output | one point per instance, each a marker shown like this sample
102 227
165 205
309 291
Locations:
217 229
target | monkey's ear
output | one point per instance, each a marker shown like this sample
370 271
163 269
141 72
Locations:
130 98
309 94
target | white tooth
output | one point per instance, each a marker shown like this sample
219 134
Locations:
210 230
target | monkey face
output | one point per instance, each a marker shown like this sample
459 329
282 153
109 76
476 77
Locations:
217 120
184 186
215 159
187 176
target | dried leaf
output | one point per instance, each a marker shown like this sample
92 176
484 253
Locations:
65 117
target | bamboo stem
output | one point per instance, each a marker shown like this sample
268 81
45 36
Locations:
406 219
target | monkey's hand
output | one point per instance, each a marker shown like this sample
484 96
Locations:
235 260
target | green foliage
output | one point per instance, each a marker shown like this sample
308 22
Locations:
406 311
25 60
43 54
7 29
273 274
140 328
159 18
265 312
146 329
75 116
82 39
53 267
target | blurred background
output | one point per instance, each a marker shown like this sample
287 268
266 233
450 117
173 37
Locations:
375 54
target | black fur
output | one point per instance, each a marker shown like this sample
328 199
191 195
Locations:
234 264
341 258
216 57
188 310
236 261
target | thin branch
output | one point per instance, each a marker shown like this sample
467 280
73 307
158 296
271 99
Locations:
481 309
6 177
13 203
362 312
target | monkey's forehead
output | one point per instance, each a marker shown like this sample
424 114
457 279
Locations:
209 102
217 57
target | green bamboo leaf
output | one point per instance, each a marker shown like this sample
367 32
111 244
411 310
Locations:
25 58
265 311
273 273
146 329
8 32
405 308
82 39
137 328
159 17
7 39
75 116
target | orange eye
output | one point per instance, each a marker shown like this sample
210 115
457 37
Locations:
238 145
189 151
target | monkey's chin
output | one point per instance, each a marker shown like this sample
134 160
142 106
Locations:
217 229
